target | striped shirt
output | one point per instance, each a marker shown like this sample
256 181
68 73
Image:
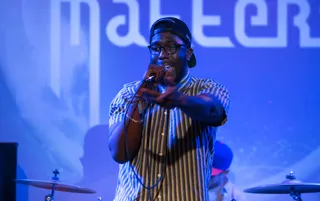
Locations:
176 152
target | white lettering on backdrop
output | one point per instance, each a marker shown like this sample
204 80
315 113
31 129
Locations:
199 20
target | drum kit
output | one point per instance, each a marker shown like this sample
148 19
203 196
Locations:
55 185
289 186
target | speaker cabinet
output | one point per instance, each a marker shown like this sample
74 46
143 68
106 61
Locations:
8 168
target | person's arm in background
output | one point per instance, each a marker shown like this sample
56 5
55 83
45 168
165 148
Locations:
237 195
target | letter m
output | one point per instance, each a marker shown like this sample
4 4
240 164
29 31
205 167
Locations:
94 49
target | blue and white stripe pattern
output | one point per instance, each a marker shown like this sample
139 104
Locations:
174 148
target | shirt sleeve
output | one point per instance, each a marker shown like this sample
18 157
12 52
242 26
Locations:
118 106
220 92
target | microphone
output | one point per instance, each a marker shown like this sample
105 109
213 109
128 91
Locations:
152 78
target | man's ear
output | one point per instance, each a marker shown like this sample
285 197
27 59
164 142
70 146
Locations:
189 53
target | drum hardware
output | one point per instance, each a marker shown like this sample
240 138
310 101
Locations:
289 186
55 185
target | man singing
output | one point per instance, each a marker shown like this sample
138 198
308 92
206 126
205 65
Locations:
163 128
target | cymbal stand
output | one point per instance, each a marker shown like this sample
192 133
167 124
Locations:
294 194
50 197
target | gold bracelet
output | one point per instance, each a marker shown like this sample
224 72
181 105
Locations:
134 120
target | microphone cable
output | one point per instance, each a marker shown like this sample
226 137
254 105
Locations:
148 187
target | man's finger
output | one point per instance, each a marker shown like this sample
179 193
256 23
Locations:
149 92
162 97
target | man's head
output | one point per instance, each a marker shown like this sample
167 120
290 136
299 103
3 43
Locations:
221 163
170 45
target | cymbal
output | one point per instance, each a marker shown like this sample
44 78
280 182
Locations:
57 186
286 187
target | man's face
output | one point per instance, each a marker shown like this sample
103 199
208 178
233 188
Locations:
168 56
218 180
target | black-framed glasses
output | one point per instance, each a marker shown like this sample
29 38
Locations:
170 49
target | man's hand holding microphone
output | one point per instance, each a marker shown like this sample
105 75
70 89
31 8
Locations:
164 75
